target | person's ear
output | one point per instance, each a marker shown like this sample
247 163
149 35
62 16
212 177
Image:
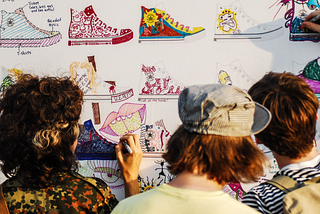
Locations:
317 116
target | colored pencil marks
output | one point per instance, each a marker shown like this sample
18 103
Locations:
17 31
311 74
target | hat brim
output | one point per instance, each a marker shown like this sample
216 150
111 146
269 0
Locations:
262 118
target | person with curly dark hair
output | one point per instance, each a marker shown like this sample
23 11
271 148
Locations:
38 135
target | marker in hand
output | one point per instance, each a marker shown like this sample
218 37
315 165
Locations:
127 146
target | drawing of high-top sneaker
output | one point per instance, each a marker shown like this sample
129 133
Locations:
87 29
311 74
157 25
157 83
234 23
299 34
234 74
91 145
17 31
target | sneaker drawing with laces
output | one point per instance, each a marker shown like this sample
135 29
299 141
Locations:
87 29
17 31
157 25
233 23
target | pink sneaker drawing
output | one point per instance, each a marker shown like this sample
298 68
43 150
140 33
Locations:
17 31
87 29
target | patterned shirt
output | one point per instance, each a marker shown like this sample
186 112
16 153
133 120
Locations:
69 193
267 198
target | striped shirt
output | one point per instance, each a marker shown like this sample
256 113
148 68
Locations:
267 198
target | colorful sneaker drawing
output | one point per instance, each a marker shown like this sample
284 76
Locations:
92 146
299 34
311 74
157 25
234 23
127 120
17 31
87 29
157 83
155 138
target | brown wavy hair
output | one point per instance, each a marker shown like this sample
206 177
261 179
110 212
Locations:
222 158
38 124
293 106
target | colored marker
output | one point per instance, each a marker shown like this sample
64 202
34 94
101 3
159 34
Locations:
315 19
127 146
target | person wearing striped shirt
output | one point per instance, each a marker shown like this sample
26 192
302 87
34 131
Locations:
290 135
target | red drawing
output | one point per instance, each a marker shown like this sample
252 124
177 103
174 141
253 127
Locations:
87 29
155 80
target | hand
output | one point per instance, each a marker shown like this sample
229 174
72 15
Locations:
130 163
310 25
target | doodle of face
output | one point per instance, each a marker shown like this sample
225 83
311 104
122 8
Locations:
312 4
227 22
226 17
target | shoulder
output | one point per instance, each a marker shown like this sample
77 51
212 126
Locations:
95 183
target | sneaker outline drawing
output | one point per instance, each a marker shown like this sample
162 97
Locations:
233 23
17 31
234 74
86 28
157 25
157 83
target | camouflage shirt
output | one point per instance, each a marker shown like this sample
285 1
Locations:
69 193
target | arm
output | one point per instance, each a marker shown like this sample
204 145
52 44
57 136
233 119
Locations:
130 163
310 25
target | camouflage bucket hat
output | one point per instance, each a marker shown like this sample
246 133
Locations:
221 110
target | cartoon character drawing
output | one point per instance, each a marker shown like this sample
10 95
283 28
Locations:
224 78
227 21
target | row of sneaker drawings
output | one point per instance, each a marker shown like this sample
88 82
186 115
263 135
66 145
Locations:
156 25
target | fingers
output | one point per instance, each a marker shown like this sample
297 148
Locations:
311 26
133 142
313 14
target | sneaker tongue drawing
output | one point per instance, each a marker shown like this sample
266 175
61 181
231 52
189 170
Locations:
89 10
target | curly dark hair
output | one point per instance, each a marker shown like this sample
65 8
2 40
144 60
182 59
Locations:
222 158
293 106
38 124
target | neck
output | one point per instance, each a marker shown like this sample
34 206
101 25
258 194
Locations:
285 160
193 181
